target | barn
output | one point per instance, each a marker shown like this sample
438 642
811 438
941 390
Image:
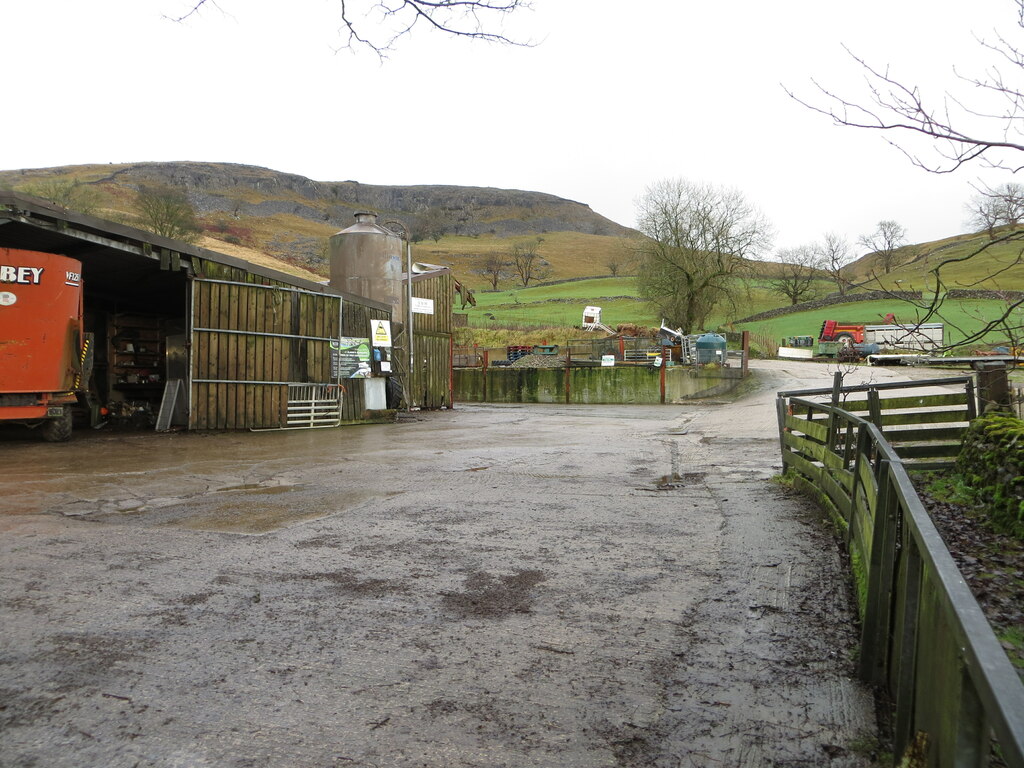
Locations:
184 336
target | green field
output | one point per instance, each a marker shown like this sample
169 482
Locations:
961 318
561 305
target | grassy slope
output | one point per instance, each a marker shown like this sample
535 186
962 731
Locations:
973 273
573 254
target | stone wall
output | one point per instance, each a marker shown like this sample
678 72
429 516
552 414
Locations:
833 298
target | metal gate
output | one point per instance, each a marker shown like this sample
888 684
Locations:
260 356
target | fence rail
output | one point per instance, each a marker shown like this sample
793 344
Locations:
924 637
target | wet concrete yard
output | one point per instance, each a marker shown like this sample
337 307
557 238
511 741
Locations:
490 586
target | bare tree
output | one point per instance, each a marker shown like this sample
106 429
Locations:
527 264
980 123
990 209
696 242
69 194
797 274
835 256
166 211
379 24
494 267
885 243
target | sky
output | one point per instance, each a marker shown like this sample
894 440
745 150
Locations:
611 97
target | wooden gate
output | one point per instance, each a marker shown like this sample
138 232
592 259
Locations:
249 342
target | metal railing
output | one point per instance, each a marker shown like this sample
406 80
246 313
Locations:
924 638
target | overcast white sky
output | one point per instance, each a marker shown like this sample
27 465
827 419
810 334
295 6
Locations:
615 95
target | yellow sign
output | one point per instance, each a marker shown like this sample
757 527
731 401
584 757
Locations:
380 333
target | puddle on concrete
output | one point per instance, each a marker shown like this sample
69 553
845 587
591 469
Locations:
258 488
245 515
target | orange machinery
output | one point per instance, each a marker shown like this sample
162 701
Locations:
42 345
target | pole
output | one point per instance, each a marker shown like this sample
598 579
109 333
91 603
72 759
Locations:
408 318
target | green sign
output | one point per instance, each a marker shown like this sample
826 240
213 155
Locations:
350 358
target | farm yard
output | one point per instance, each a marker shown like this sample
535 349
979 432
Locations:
443 591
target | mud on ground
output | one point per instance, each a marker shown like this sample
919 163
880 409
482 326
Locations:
491 586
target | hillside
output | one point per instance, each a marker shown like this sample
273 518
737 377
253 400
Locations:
284 220
995 266
290 217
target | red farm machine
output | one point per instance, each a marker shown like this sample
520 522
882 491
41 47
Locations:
44 354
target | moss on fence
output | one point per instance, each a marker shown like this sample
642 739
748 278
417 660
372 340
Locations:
992 463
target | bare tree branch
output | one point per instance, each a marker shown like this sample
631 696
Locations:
391 20
893 106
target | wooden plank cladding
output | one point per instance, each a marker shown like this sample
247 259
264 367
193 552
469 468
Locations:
252 337
439 287
432 340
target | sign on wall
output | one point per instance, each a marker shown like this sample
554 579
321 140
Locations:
350 358
422 306
380 333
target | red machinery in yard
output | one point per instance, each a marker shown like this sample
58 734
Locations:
43 349
893 335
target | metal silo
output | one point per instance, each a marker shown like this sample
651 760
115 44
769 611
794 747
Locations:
366 260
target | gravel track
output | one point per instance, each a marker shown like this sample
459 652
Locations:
490 586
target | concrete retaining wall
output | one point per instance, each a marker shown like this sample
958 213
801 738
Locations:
620 384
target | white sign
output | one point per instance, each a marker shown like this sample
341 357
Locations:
23 275
607 361
380 333
422 306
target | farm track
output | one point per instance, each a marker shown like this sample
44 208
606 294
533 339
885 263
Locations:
489 586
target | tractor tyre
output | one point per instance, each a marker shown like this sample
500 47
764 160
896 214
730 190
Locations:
845 338
58 430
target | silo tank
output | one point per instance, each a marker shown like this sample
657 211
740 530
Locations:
366 260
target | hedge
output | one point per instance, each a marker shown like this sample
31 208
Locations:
992 462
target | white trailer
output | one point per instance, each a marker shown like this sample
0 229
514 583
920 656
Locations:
924 336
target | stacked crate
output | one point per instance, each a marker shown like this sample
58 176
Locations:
515 352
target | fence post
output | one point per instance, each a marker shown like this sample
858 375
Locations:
781 411
993 387
746 352
906 636
972 401
878 605
837 388
568 372
661 375
875 408
487 357
451 372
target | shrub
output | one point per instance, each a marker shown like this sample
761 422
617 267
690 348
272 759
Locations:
992 462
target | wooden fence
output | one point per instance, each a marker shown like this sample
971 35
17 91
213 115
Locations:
924 638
